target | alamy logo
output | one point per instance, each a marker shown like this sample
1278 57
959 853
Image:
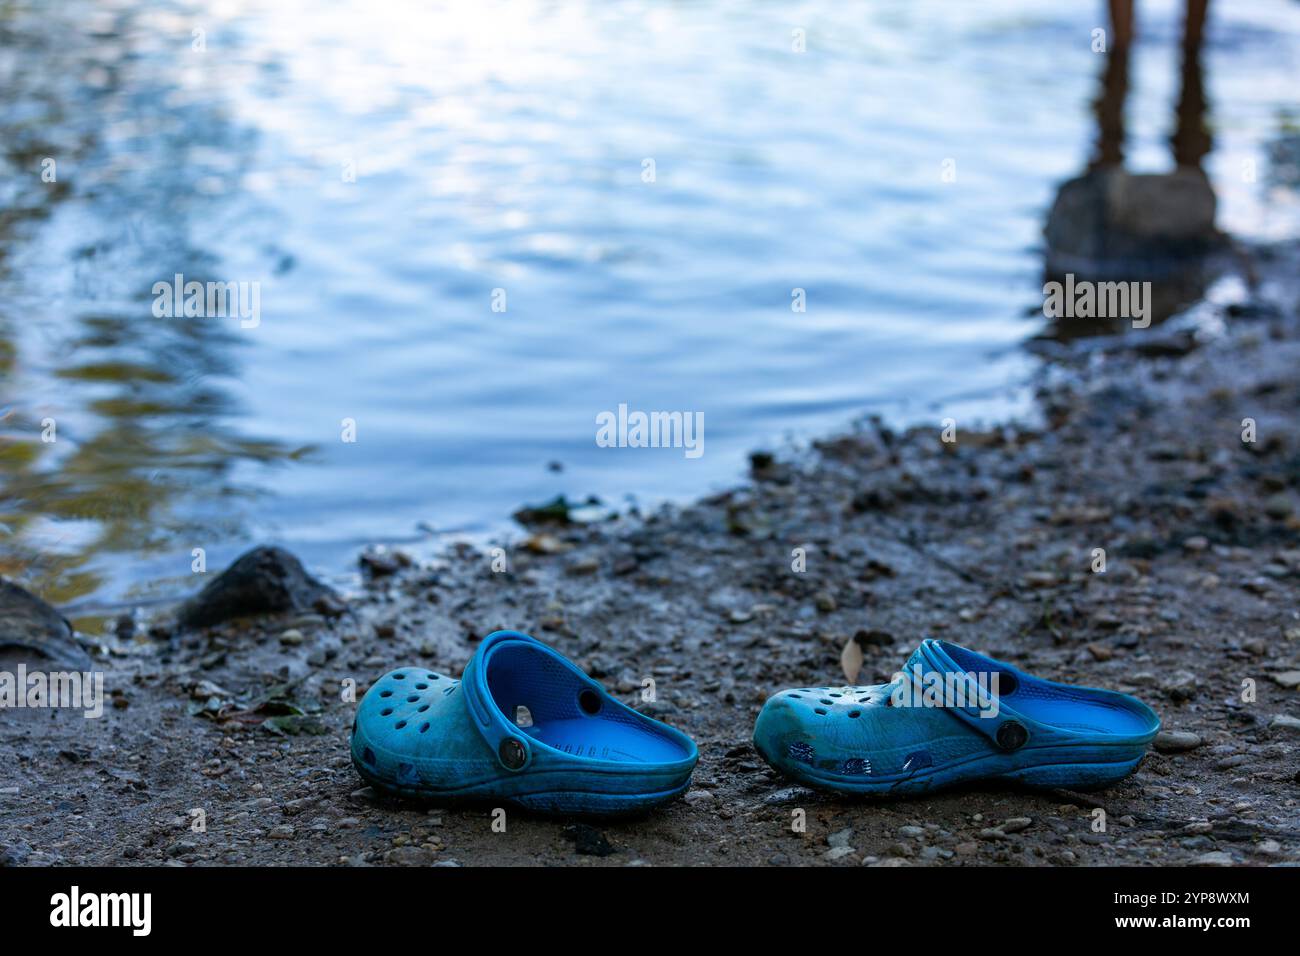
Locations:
1098 300
635 429
103 909
208 300
55 689
950 689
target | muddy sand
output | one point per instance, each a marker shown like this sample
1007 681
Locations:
1136 448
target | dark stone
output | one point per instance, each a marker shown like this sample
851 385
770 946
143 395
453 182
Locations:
382 563
15 854
871 637
262 581
28 622
588 841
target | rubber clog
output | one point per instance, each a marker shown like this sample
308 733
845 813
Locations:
951 716
522 726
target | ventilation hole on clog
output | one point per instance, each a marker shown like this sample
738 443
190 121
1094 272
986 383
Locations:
385 712
589 701
855 713
385 693
424 708
837 695
413 698
824 701
401 724
399 677
448 690
819 711
421 686
1007 684
433 676
368 755
796 696
523 716
424 726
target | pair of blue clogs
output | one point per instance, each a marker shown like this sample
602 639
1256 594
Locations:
525 726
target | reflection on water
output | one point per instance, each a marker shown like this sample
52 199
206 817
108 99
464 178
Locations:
118 437
382 169
1109 224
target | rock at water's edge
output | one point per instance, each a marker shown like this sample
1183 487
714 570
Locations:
262 581
28 622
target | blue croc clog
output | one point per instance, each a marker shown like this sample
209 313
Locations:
951 716
523 726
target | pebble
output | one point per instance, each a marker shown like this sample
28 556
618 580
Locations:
1181 686
1213 858
915 833
931 853
788 795
1284 722
1176 741
1288 679
584 565
291 638
839 852
1278 506
699 796
14 854
840 838
1016 824
410 856
282 832
588 841
545 544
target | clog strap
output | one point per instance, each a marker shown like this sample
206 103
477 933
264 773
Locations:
973 701
512 748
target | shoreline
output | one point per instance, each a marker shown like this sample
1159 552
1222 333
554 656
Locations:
989 541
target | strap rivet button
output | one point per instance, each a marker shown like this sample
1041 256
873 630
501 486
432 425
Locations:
1012 735
512 753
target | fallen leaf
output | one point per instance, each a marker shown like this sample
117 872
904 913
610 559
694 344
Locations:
851 659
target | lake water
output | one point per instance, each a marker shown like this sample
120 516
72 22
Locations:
388 173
